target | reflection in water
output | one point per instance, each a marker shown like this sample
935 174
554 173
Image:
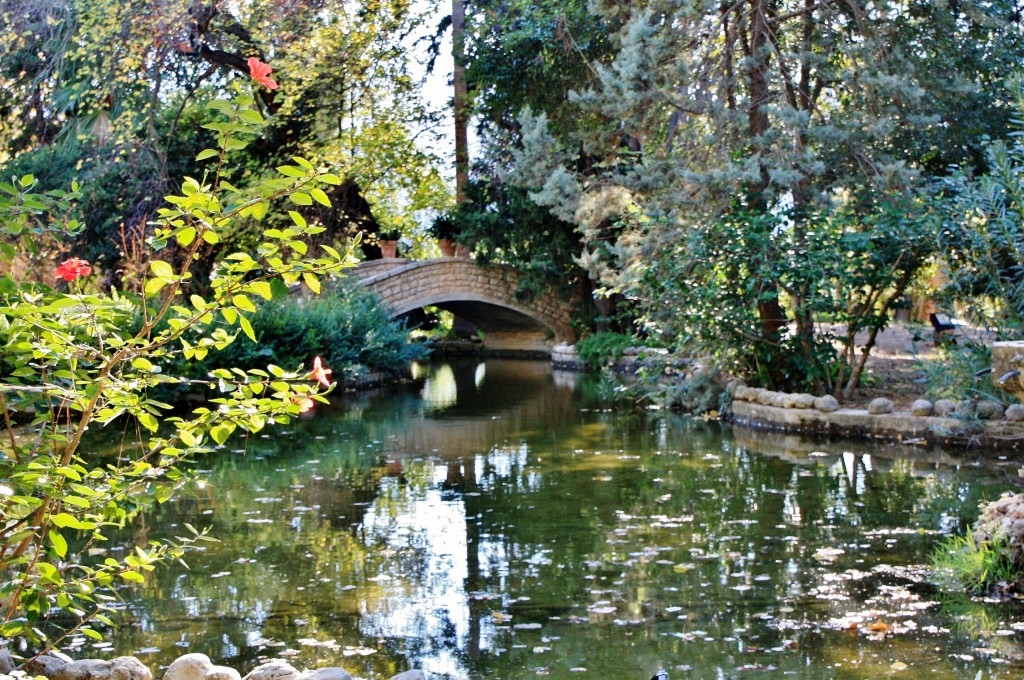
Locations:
499 524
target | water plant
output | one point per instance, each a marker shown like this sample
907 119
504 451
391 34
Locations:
978 567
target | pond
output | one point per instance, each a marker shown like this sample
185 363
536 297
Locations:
496 521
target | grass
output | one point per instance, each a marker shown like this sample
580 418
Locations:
978 568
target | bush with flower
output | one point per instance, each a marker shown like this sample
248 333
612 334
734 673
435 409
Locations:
73 360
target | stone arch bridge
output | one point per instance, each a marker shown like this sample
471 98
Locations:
483 296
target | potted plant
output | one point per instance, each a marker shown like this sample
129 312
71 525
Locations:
443 229
388 243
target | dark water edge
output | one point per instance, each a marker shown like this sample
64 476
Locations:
499 521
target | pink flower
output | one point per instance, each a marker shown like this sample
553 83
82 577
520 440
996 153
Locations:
71 269
260 72
320 373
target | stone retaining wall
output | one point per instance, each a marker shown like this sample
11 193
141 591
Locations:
950 423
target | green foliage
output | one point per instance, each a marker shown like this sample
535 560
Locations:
951 375
504 225
705 285
345 326
961 563
599 349
74 360
775 180
983 240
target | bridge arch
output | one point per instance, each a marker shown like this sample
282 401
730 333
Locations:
484 296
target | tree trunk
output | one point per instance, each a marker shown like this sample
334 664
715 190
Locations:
461 100
770 312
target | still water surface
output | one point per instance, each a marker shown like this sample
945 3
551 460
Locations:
496 522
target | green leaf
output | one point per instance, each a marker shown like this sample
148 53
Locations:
186 236
133 577
261 288
300 198
58 543
65 520
207 153
148 421
220 433
259 210
320 197
303 162
246 327
291 171
312 281
298 219
161 269
142 364
90 633
244 303
251 116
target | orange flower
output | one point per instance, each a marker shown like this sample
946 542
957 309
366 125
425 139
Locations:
260 72
71 269
304 403
320 373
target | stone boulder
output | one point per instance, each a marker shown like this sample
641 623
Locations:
1014 412
331 673
922 408
410 675
198 667
6 661
804 401
945 407
880 406
826 404
273 670
989 410
46 664
120 668
1003 521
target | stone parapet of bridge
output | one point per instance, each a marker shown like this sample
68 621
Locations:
482 295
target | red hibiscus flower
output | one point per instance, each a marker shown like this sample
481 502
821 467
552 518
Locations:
260 72
71 269
320 373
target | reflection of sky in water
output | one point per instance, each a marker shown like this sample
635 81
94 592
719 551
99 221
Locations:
434 604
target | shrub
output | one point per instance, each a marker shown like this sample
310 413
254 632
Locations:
346 326
599 349
74 360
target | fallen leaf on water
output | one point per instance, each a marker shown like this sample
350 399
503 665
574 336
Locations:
898 666
878 626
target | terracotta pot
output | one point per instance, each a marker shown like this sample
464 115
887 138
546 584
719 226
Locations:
388 249
447 247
